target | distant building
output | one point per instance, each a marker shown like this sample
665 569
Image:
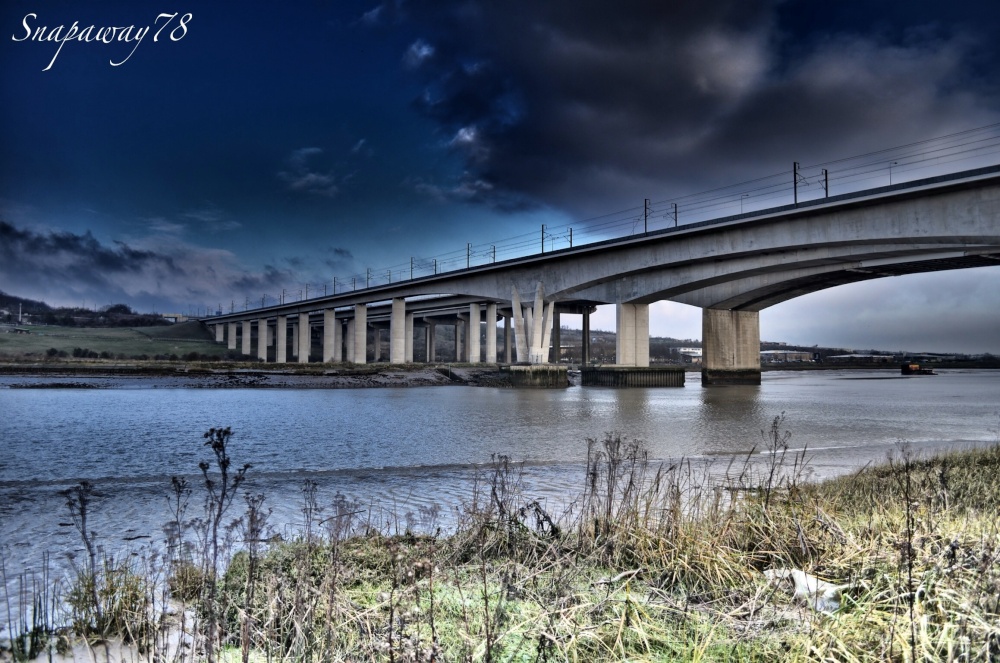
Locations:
690 355
783 356
860 359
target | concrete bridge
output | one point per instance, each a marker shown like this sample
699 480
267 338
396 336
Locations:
732 268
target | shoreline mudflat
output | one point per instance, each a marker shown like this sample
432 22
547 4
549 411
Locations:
110 375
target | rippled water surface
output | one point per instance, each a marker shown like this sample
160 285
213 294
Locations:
402 449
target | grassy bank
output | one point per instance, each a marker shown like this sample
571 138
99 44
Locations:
189 339
658 563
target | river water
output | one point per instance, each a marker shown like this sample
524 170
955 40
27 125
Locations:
409 456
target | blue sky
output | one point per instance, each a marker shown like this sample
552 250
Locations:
271 147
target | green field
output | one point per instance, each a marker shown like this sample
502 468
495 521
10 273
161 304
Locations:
117 342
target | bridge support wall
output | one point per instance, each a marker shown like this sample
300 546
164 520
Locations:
731 347
632 339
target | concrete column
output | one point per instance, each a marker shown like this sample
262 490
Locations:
349 341
220 332
556 338
431 341
262 339
305 338
295 338
507 350
538 329
521 326
397 332
542 352
329 334
231 333
245 347
459 345
360 334
585 349
475 330
491 333
408 346
529 326
281 339
377 340
730 347
632 339
338 340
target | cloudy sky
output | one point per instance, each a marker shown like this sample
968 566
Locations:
233 154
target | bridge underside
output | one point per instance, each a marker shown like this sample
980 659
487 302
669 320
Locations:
757 300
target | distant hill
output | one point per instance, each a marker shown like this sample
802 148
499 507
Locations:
17 309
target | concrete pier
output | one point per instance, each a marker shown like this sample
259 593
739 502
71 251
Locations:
330 325
431 340
520 327
556 353
349 341
360 350
491 333
281 340
305 338
632 340
262 339
246 332
474 331
508 350
220 333
408 344
731 347
231 332
397 332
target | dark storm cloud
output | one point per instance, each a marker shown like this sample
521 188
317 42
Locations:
263 282
304 175
339 259
70 256
63 267
576 105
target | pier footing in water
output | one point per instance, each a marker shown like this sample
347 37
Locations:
541 375
633 376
